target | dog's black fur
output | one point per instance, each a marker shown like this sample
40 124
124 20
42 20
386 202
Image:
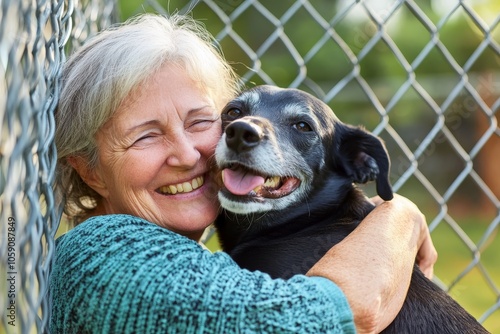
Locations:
304 137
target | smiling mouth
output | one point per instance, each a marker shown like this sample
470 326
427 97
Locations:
184 187
242 181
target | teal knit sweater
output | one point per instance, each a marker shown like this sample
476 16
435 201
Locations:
122 274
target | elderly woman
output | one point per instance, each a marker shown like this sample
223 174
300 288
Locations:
137 125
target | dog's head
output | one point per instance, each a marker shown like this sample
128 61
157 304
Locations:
280 145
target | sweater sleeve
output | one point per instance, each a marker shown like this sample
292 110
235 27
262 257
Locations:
121 274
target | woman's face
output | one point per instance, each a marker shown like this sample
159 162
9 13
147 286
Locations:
154 153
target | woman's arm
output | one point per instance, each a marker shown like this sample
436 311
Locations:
121 274
373 265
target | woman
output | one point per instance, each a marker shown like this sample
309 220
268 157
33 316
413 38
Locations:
137 124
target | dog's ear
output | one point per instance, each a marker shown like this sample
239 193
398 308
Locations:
364 158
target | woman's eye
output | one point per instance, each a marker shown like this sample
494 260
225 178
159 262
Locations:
201 124
145 138
302 126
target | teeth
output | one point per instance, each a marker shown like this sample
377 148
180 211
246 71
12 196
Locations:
184 187
271 182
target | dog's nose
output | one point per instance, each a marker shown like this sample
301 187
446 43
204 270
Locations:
242 136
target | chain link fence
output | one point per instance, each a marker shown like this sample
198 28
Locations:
424 76
31 37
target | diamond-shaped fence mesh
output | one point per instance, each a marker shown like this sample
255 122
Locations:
424 75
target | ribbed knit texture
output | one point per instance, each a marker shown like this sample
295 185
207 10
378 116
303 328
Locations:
122 274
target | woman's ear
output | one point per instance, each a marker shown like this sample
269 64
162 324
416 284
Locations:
91 176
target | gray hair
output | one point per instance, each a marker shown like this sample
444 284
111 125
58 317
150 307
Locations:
98 77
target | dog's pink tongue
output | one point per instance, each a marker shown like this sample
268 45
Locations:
240 182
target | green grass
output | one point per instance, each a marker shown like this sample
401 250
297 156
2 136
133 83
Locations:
473 291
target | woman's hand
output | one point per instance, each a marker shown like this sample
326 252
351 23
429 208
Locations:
427 254
373 264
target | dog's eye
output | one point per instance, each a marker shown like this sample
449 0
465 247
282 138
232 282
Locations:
302 126
234 112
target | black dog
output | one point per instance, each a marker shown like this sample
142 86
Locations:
289 168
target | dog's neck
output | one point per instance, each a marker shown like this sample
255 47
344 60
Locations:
333 201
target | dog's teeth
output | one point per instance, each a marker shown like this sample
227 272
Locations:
272 181
257 189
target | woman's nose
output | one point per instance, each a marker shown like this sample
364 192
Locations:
183 153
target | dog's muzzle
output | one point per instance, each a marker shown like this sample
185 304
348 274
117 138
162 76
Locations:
246 138
242 136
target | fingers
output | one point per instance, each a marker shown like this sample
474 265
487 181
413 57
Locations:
427 256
